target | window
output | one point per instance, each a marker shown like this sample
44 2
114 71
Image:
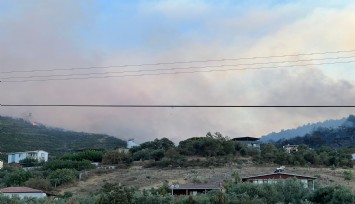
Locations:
12 158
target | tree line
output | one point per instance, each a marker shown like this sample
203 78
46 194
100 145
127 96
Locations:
219 149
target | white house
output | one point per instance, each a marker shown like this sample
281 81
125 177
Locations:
1 164
131 143
290 148
16 157
22 192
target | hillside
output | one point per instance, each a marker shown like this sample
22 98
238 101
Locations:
301 130
342 136
21 135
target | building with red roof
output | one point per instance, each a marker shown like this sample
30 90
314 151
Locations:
308 181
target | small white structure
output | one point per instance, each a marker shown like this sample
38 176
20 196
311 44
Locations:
280 169
1 164
16 157
353 156
290 148
22 192
131 143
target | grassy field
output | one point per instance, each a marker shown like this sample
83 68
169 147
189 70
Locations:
147 178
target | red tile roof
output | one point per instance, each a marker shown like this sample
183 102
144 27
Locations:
19 190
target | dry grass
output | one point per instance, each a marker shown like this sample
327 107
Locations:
148 178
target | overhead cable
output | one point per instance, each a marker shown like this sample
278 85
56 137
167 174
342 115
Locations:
175 68
183 72
174 62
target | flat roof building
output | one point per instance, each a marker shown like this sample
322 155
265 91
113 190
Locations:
22 192
194 188
16 157
249 141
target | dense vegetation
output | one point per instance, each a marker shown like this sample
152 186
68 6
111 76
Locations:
324 156
342 136
49 175
219 150
68 168
302 130
21 135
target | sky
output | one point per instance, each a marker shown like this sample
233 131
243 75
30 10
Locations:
47 35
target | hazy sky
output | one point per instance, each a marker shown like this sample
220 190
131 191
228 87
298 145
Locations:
68 34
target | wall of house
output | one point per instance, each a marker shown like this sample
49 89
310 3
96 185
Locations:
16 157
305 182
23 195
42 156
131 144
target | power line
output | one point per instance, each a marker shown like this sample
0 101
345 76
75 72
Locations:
176 62
176 68
175 106
186 72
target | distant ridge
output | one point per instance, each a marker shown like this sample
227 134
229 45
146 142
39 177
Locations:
22 135
342 136
302 130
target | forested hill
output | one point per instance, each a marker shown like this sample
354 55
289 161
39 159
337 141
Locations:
302 130
342 136
21 135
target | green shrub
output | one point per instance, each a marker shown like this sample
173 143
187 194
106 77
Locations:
348 175
39 183
62 176
333 194
90 155
67 164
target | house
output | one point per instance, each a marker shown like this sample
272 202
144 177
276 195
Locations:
290 148
22 192
249 141
16 157
194 188
274 177
353 156
1 164
131 143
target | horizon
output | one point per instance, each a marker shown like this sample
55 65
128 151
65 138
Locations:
176 142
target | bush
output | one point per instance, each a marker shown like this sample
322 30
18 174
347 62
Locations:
38 183
149 198
67 164
287 191
90 155
115 194
17 178
217 197
62 176
348 175
28 162
333 194
117 157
